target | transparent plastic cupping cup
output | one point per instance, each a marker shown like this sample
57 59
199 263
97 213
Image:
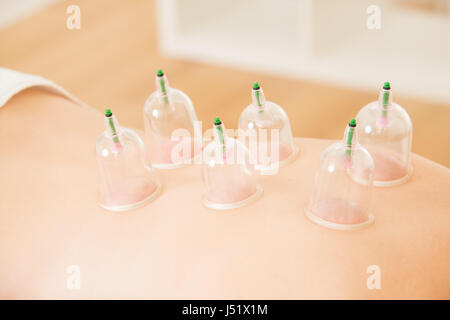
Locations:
167 112
228 177
268 122
126 178
385 130
343 185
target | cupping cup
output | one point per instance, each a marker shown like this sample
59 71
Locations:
229 178
385 130
343 185
126 178
169 118
267 122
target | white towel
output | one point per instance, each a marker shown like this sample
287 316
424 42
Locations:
12 82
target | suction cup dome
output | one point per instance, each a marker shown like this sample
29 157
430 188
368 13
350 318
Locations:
385 130
166 112
126 179
228 177
268 124
343 185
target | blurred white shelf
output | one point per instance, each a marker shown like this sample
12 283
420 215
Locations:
318 40
14 11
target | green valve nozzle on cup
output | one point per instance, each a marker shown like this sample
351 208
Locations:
162 85
220 134
110 118
258 97
352 126
386 94
218 125
351 132
352 123
386 101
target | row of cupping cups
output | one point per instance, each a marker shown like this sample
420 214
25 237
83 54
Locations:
375 151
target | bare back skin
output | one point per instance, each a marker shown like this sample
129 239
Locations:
176 248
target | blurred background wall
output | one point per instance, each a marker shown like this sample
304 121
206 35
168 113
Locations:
317 59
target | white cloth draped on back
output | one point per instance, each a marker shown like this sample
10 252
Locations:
13 82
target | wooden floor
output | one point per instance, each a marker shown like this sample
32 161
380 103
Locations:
111 62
